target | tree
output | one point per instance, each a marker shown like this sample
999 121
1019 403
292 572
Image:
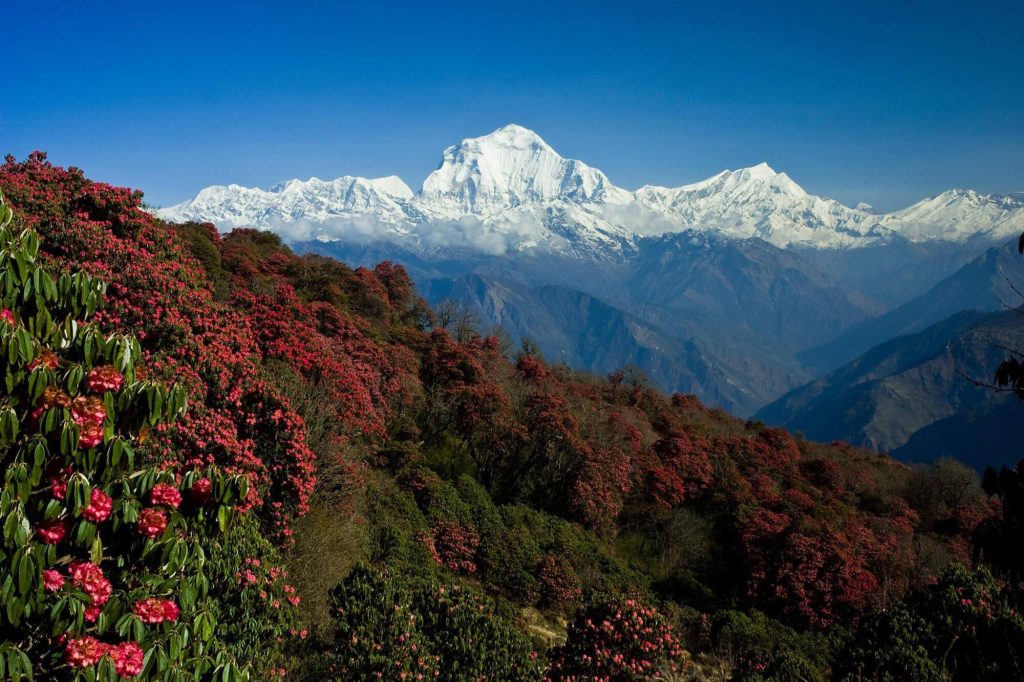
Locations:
617 640
391 627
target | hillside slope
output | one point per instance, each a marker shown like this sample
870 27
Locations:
900 395
985 283
720 318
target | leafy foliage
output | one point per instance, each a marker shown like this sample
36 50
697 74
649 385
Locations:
965 627
102 560
389 628
618 641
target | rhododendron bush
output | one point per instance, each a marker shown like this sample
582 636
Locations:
967 626
387 627
101 567
156 291
619 640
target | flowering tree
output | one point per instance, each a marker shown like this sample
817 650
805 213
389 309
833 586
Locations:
156 291
623 641
101 574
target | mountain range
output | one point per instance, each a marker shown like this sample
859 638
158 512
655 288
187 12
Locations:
741 288
510 191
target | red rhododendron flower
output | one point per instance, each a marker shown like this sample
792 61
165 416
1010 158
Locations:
59 488
201 490
105 378
46 359
92 613
128 658
59 482
52 532
52 580
54 397
89 414
152 522
171 610
155 610
166 494
99 507
90 578
88 410
90 436
7 315
85 651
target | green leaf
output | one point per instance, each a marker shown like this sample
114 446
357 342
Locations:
96 552
223 517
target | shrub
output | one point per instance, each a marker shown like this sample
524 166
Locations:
388 627
618 640
256 607
967 627
470 638
759 649
102 559
377 633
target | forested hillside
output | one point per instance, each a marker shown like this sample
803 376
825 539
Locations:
223 460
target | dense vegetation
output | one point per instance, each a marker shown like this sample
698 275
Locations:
290 468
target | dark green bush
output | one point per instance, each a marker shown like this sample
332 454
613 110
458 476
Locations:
965 627
388 625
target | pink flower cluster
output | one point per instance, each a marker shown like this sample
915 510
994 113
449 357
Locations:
268 579
46 359
201 490
88 651
103 379
155 610
165 494
52 532
52 580
99 507
89 577
152 522
89 414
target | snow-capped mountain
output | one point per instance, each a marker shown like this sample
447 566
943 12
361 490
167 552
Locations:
309 206
759 202
960 214
509 191
508 168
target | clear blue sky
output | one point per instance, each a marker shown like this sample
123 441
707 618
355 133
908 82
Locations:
883 102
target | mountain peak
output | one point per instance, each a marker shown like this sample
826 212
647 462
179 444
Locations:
514 182
761 171
515 136
507 168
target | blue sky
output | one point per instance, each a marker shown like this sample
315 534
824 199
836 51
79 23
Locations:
883 102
